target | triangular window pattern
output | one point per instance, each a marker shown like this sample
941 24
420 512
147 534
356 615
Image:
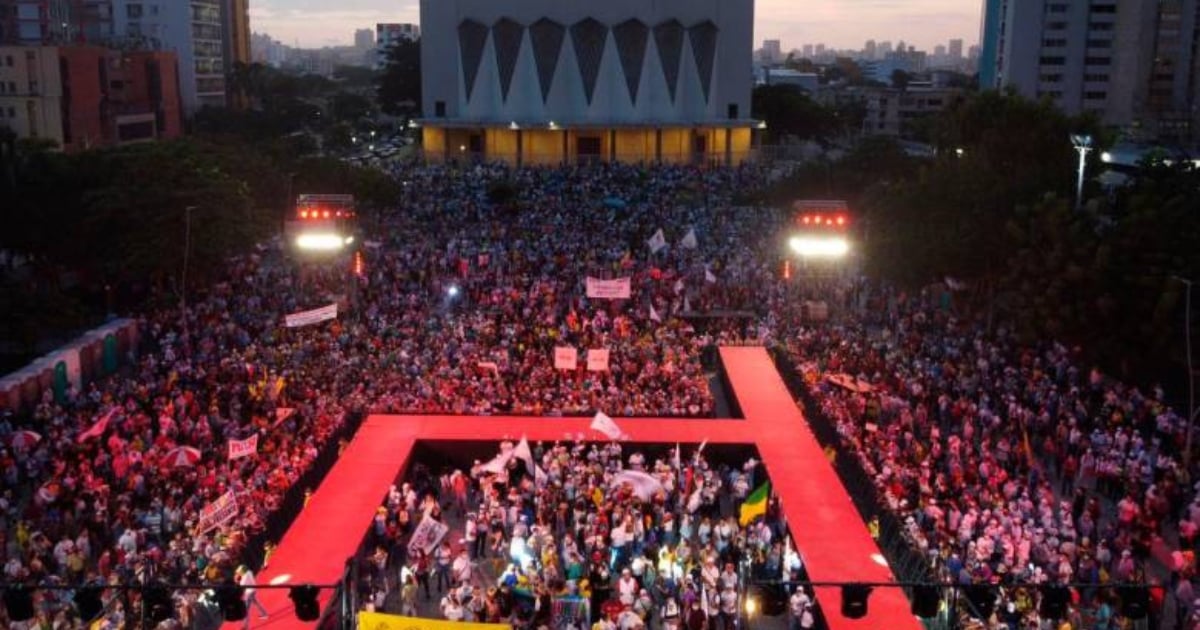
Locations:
704 49
546 36
668 38
472 36
589 37
506 38
631 37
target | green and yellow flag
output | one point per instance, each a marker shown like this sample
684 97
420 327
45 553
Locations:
755 505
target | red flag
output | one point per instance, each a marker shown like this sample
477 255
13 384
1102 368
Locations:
97 429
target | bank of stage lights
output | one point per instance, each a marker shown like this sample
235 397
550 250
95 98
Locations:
822 236
322 237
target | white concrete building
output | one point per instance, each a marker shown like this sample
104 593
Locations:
550 81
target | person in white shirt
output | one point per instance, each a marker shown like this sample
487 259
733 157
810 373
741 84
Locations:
800 607
246 580
461 569
627 588
451 608
728 607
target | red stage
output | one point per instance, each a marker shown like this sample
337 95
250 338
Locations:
826 527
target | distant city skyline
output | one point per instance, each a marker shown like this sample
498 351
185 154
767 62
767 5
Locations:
839 24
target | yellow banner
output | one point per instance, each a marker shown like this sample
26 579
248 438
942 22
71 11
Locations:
380 621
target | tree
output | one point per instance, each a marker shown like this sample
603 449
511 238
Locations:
399 88
788 112
349 107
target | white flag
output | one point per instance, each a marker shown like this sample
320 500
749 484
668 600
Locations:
601 423
523 453
497 464
644 486
597 360
654 316
694 501
689 240
708 275
657 242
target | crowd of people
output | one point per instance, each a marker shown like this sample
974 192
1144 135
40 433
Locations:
1009 463
581 535
458 307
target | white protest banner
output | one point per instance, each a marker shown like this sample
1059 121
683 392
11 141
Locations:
218 512
316 315
565 358
615 289
601 423
657 242
243 448
597 360
654 316
427 536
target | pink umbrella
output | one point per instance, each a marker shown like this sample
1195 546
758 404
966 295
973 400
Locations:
182 456
24 439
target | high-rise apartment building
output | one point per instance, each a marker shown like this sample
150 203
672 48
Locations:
364 39
81 96
36 22
956 50
195 30
772 50
236 46
1127 61
869 49
387 35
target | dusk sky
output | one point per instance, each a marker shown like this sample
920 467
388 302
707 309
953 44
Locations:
836 23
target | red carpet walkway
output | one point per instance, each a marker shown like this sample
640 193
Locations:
831 537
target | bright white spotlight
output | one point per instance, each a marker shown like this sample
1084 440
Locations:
1106 157
820 247
320 242
751 606
452 291
349 240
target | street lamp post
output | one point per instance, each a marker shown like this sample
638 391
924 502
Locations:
1083 144
1187 343
187 254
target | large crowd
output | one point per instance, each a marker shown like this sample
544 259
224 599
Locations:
458 308
579 535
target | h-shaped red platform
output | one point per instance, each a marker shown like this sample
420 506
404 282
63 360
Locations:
827 529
